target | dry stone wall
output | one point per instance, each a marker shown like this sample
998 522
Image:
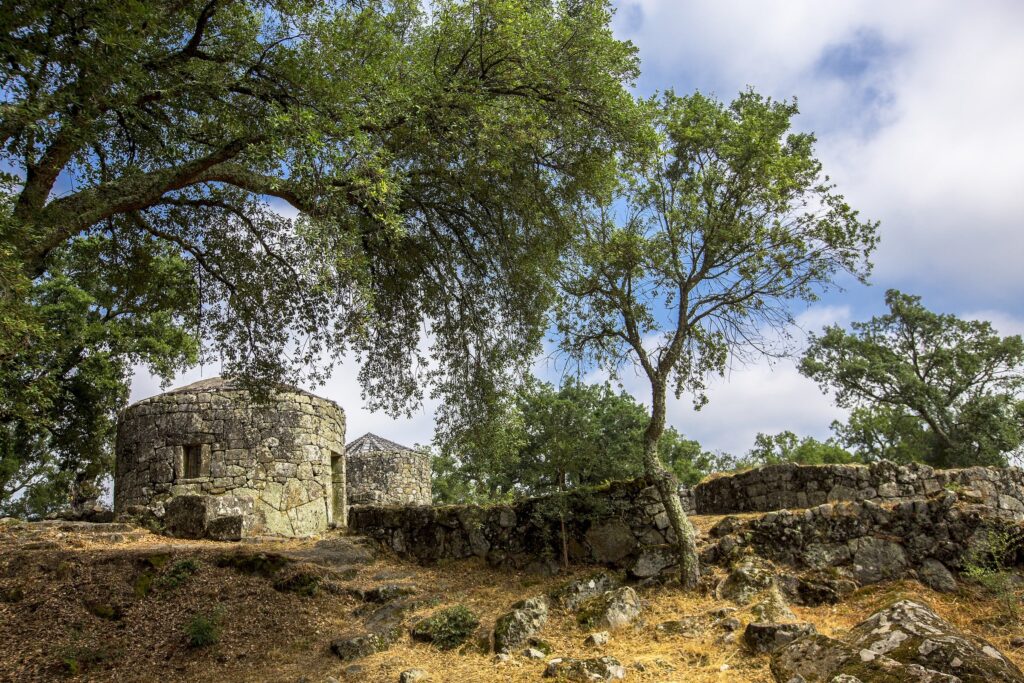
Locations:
623 525
208 439
788 486
867 523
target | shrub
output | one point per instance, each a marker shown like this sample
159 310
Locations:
203 630
447 628
179 573
989 565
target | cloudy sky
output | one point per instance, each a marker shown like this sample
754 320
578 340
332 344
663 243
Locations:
917 109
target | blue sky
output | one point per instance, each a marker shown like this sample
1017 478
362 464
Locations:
916 105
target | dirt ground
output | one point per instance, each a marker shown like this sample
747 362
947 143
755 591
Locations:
81 608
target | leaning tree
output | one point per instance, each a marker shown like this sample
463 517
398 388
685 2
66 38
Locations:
307 178
729 221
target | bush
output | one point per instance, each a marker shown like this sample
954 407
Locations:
179 572
989 565
448 628
203 630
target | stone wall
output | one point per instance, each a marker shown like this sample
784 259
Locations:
623 525
788 486
399 477
866 541
286 455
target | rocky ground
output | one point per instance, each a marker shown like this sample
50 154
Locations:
116 603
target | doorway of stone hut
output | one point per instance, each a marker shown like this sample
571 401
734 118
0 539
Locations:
338 488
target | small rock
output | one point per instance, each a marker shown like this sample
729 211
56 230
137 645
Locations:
766 637
413 675
772 607
502 658
936 576
585 670
691 627
1017 642
356 672
728 624
533 653
613 610
597 638
573 594
515 628
745 581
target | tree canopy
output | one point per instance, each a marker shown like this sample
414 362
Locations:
550 439
924 386
312 179
725 224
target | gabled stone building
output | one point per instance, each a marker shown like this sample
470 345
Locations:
382 472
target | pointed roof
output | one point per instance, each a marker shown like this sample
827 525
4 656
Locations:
371 443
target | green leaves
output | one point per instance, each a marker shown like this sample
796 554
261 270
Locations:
924 386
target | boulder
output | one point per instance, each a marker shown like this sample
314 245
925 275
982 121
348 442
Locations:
936 576
653 561
612 610
597 638
745 581
514 629
820 659
913 634
610 542
585 670
772 607
877 559
760 636
573 594
904 642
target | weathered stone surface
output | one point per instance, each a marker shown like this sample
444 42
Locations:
691 626
613 610
610 542
904 642
746 581
514 629
771 607
653 561
791 486
913 634
587 670
936 576
413 676
382 472
597 638
819 659
210 440
573 594
877 559
762 636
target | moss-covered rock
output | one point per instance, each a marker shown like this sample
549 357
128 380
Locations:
514 629
448 628
612 610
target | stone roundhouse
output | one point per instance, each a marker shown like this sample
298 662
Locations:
211 455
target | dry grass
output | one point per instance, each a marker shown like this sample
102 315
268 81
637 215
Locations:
268 635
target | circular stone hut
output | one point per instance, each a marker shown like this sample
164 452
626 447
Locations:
382 472
228 467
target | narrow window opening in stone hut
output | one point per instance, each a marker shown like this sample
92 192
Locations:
193 461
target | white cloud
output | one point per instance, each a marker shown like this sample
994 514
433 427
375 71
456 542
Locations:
916 102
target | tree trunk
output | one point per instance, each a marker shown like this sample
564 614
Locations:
667 485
